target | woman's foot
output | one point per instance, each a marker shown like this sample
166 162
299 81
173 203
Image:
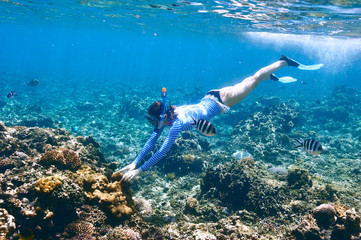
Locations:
289 61
274 77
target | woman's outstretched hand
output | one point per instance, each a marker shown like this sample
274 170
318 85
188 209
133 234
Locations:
131 174
128 167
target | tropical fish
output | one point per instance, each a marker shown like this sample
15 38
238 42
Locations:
33 82
25 233
310 145
12 94
204 127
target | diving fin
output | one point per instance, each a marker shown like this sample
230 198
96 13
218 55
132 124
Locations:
294 63
310 67
287 79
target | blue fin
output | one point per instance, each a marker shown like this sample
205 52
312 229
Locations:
310 67
287 79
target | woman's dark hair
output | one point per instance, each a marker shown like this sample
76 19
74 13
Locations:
155 110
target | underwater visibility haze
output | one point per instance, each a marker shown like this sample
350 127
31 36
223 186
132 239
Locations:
76 81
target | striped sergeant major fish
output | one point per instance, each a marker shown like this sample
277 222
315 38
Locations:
310 145
204 127
12 94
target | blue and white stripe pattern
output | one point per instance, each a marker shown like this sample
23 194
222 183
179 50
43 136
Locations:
205 110
149 145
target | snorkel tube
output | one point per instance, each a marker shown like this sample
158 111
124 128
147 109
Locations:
164 96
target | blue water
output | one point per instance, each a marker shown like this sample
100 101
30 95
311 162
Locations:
179 44
101 63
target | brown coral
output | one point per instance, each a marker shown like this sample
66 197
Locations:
189 159
6 164
80 229
92 214
116 197
307 229
48 184
61 158
121 233
7 224
325 215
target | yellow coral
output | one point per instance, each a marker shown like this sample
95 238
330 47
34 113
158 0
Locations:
189 159
116 197
48 184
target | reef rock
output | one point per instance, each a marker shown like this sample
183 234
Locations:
325 215
122 233
62 158
307 230
45 188
298 178
2 127
186 155
48 184
265 133
348 224
238 186
7 224
115 196
80 230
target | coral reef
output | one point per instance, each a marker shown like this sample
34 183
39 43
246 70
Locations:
205 188
80 230
48 184
186 155
265 133
62 158
297 178
238 185
7 224
325 215
45 188
114 196
344 223
121 233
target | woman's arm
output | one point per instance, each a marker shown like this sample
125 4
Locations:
148 145
146 149
172 136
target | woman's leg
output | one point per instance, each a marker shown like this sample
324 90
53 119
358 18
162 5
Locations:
230 96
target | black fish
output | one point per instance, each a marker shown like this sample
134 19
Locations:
12 94
310 145
204 127
33 82
25 233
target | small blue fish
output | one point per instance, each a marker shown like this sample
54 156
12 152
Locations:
310 145
12 94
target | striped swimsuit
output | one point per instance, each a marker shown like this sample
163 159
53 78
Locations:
205 110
